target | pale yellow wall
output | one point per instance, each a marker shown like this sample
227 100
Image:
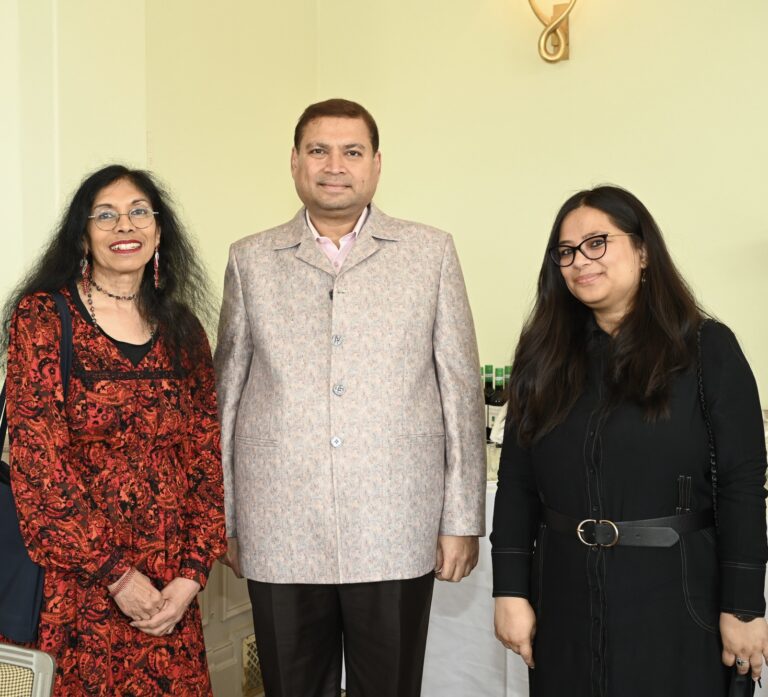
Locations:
484 138
479 135
10 150
226 82
102 86
72 98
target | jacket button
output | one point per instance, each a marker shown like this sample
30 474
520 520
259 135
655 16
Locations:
336 442
336 339
339 390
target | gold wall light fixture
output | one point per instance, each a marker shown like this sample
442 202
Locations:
553 42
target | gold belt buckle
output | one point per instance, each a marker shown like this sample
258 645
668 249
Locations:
580 532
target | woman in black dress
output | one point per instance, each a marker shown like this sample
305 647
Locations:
606 434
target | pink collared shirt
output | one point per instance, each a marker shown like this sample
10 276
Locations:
337 255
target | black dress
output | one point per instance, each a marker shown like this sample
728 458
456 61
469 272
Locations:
634 621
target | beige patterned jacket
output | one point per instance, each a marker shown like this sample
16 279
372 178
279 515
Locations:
351 408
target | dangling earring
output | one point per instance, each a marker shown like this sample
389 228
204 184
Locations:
157 267
642 276
85 273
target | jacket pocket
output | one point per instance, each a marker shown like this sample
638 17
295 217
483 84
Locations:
256 441
700 578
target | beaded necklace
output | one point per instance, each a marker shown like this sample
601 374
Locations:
92 310
133 296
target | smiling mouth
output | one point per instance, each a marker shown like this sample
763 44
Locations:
125 246
587 279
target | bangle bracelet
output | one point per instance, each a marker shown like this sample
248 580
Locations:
123 582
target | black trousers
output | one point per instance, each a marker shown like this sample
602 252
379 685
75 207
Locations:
382 627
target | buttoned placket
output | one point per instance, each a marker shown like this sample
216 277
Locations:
337 389
596 555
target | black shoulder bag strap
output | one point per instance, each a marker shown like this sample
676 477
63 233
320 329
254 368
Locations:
65 357
66 341
707 422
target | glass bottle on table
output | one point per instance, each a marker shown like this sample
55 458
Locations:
495 410
488 392
497 398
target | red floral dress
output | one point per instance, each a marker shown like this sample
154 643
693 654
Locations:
126 473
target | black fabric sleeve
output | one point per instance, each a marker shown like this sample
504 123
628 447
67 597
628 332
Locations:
734 407
516 515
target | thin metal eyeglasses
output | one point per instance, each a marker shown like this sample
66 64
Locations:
106 219
592 248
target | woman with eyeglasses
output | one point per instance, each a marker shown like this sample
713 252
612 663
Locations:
629 544
118 488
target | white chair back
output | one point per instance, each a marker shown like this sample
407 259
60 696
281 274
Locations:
25 672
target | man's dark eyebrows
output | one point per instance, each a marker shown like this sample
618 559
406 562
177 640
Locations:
348 146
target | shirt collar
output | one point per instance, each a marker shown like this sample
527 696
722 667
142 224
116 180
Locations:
355 230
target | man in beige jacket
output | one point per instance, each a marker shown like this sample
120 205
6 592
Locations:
352 423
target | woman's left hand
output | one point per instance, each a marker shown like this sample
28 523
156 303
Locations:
744 640
178 594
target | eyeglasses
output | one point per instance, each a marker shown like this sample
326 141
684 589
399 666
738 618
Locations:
592 248
106 219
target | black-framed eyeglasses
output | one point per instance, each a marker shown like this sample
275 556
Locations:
106 219
592 248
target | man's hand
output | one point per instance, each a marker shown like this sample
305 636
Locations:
230 557
178 594
456 557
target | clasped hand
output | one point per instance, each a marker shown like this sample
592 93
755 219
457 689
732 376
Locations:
153 611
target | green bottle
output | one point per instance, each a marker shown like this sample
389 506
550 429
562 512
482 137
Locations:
488 392
497 399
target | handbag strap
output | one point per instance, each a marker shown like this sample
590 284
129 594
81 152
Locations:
65 354
65 359
707 422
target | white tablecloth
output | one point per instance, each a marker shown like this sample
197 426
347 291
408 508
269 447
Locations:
464 659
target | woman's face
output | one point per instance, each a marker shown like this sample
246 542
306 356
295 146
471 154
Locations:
127 248
607 285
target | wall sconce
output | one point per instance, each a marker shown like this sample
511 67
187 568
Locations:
553 42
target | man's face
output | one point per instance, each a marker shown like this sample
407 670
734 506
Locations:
335 169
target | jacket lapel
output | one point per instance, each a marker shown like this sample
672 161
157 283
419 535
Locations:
297 234
368 242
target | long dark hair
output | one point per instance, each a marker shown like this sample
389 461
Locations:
184 295
656 337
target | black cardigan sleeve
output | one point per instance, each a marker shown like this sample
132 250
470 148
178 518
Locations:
734 408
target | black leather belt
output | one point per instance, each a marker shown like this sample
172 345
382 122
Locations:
650 532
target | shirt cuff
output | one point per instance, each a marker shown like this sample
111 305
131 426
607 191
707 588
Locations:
511 572
194 571
113 567
742 588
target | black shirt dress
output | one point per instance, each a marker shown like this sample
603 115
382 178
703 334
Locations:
637 621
